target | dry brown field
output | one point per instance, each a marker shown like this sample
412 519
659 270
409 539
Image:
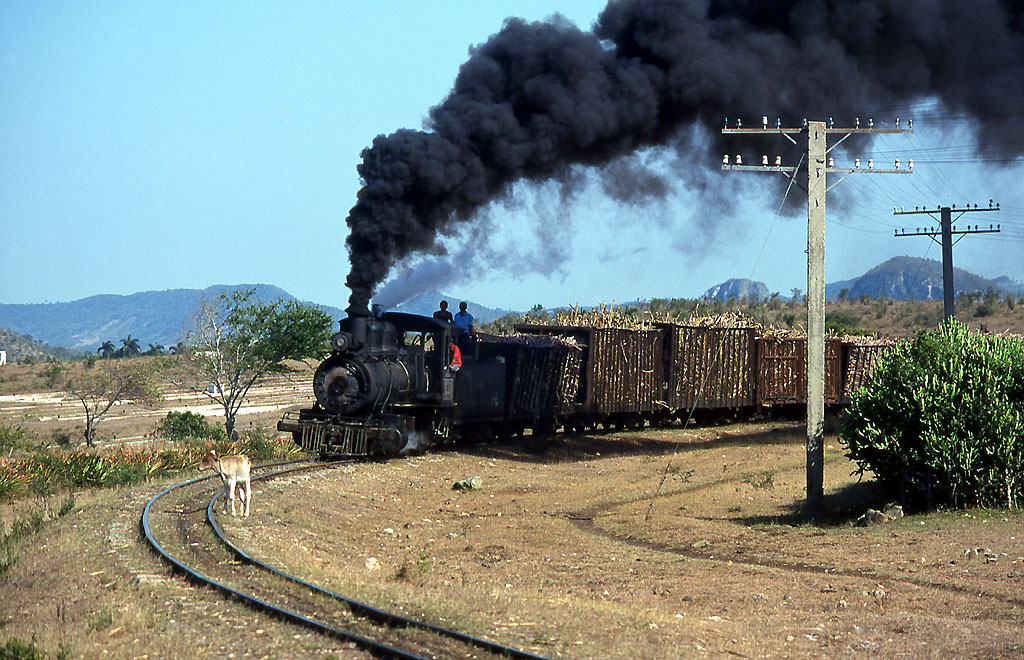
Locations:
657 543
26 400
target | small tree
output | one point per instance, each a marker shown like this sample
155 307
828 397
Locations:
99 390
236 342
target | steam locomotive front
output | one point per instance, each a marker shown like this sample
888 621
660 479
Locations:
368 369
372 389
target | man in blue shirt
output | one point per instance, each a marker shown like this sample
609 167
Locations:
464 319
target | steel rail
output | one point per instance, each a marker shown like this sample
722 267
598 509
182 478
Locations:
358 607
376 648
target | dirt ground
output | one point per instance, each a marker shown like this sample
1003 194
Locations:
644 544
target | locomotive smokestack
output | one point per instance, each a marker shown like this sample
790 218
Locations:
355 324
539 99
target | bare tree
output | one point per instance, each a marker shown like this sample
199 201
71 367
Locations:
101 389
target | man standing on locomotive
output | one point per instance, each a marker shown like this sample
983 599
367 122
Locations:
443 314
463 321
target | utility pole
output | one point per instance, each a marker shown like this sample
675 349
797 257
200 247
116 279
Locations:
817 168
946 230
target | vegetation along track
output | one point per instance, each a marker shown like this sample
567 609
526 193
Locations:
174 525
588 521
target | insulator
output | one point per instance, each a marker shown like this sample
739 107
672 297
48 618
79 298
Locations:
910 164
871 123
725 159
739 123
778 123
910 124
725 124
778 161
856 162
897 122
831 162
897 163
871 162
856 122
764 160
903 208
830 122
764 121
894 209
739 159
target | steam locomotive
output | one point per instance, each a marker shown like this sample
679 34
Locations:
387 387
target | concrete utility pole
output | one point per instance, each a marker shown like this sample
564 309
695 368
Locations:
817 168
946 230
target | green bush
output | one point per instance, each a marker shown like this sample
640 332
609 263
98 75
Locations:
180 425
15 436
16 649
941 422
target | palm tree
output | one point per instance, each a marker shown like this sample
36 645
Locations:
155 349
130 347
107 350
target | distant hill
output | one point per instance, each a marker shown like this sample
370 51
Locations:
153 317
18 347
737 288
911 278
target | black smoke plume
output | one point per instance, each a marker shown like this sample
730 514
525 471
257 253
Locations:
538 99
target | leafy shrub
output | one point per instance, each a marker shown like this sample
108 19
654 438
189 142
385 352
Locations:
15 649
263 444
61 438
941 422
180 425
843 322
15 436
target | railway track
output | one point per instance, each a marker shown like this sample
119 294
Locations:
183 529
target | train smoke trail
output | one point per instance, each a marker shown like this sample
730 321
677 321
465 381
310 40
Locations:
537 99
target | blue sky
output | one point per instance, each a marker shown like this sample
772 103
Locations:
150 146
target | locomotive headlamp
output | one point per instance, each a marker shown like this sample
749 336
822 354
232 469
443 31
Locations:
341 341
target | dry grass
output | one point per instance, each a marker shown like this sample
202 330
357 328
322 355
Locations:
27 400
567 552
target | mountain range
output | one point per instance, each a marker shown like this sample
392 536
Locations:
911 278
161 317
153 317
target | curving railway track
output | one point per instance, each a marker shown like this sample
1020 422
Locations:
185 532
